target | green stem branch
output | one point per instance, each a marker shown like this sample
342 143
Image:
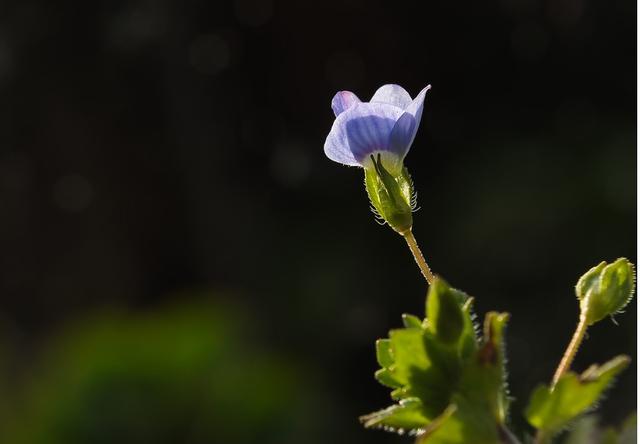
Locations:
565 363
417 255
572 349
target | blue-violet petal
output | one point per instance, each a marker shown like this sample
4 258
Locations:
394 95
342 101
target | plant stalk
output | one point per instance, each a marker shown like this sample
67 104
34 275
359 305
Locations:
565 363
417 255
571 350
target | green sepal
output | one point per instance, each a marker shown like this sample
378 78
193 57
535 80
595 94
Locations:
390 195
605 290
551 410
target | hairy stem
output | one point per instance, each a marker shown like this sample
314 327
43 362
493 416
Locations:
417 255
565 363
571 350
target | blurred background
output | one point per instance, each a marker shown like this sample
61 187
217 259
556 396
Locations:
180 263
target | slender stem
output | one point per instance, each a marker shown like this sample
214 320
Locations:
565 363
417 255
572 349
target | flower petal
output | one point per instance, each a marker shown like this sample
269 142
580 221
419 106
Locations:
415 108
369 127
363 129
336 147
402 135
342 101
394 95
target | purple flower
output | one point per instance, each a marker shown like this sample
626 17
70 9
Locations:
386 125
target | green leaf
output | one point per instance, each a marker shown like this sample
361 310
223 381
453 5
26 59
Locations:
550 410
484 379
383 353
411 321
445 313
586 431
407 415
385 377
410 355
629 432
626 434
450 384
445 427
480 398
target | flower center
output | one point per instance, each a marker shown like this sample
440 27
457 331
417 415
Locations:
391 161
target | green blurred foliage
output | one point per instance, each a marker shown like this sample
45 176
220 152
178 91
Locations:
586 431
184 374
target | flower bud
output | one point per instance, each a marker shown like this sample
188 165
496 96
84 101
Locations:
391 195
605 289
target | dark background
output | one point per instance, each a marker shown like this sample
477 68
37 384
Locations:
165 157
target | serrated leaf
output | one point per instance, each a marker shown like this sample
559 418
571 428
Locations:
460 383
407 415
483 381
385 377
444 311
443 426
551 410
469 339
409 354
399 394
411 321
437 385
384 355
480 396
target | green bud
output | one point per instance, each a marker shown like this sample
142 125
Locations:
605 289
391 195
444 312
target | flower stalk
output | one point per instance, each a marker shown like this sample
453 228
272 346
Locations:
417 255
602 291
572 349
